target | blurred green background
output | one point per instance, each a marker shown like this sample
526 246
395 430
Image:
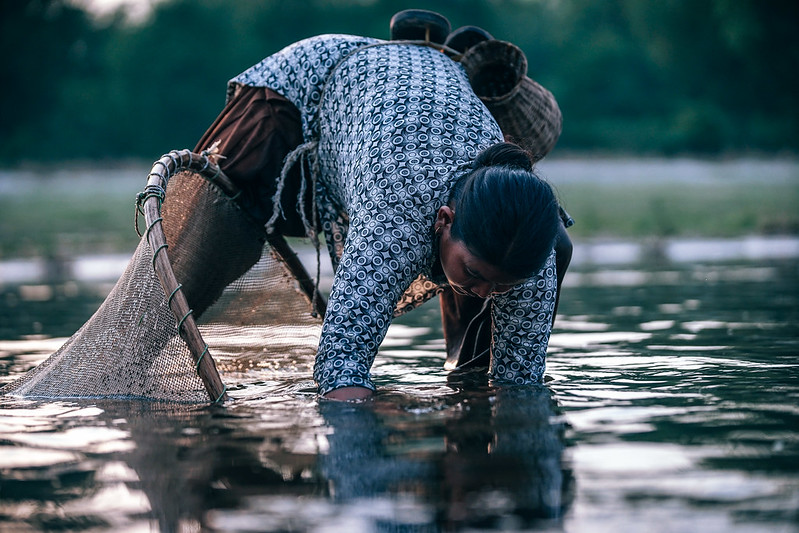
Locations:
680 116
666 77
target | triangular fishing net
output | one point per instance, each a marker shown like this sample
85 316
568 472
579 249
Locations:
250 293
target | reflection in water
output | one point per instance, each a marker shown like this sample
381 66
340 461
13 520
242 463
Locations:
513 463
48 477
494 461
485 458
672 405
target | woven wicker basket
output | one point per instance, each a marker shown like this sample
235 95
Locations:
527 113
419 25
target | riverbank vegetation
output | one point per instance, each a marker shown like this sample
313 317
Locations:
694 77
91 211
707 79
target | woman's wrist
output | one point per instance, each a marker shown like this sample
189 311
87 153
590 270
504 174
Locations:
349 393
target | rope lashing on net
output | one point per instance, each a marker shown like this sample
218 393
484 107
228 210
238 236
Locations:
205 350
150 191
180 323
197 366
155 257
172 294
148 204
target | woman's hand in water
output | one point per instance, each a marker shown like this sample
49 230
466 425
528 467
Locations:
349 394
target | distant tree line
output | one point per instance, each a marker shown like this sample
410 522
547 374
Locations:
631 76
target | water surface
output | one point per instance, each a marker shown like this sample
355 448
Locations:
672 404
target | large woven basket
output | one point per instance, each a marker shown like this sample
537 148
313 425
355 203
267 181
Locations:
527 113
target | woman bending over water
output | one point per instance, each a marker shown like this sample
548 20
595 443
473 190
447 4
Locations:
408 178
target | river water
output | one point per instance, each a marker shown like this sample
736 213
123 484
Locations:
672 404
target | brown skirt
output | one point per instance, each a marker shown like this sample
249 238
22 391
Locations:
256 130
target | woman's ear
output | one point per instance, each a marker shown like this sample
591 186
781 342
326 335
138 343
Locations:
444 217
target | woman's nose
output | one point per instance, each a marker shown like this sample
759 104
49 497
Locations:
487 288
483 289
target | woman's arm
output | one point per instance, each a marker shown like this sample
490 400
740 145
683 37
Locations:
349 393
522 320
383 254
563 256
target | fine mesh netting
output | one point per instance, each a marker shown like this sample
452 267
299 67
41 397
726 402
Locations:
129 348
249 293
261 320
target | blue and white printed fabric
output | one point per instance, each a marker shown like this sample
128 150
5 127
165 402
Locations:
396 125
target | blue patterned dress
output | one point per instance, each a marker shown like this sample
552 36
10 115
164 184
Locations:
392 126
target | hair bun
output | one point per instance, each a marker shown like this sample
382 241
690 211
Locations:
506 155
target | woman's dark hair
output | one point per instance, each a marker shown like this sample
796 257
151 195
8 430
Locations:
504 213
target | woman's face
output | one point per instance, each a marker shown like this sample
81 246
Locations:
468 274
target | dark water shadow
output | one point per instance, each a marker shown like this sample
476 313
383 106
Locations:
483 457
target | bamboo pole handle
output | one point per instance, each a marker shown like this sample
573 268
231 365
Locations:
162 171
